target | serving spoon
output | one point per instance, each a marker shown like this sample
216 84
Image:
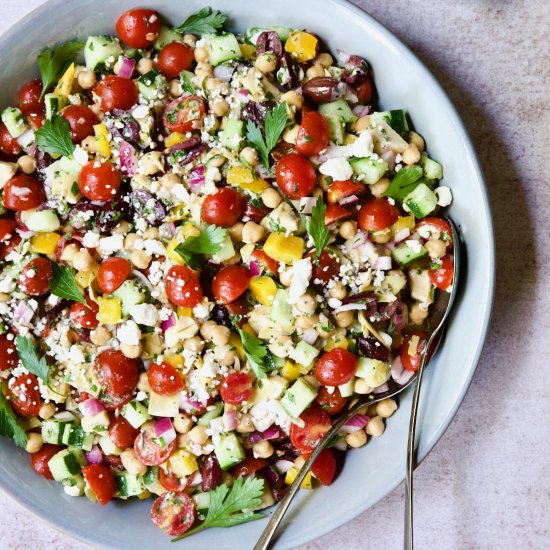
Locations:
439 312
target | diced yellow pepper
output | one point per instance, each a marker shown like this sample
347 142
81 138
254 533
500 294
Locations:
110 310
183 463
235 341
349 139
291 476
264 289
171 252
65 85
145 495
174 138
103 147
248 51
405 222
290 371
336 341
302 46
44 243
245 179
185 311
174 360
283 248
84 278
188 230
177 213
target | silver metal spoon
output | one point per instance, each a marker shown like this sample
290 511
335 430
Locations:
364 401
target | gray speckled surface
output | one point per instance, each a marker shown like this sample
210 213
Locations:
486 483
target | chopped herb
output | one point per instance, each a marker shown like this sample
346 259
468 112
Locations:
258 355
317 228
9 426
405 181
206 21
52 64
54 137
193 249
185 81
63 284
30 359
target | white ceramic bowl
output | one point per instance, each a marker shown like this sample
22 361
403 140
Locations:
372 472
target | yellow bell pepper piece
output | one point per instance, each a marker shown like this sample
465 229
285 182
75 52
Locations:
174 360
84 278
235 341
171 252
248 51
291 476
65 85
283 248
404 222
302 46
245 179
264 289
183 463
336 341
145 495
110 310
44 243
174 138
249 329
290 371
103 147
185 311
177 213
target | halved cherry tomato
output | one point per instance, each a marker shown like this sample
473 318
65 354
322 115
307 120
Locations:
339 190
184 114
40 459
171 482
295 176
7 239
122 432
174 513
230 283
139 27
115 371
331 403
248 466
412 362
81 121
377 214
325 268
101 481
35 277
24 395
8 145
223 208
313 136
29 98
267 263
336 213
23 192
115 92
174 58
240 306
335 367
99 181
236 388
112 273
8 246
182 286
442 277
316 425
8 353
36 120
164 378
324 466
149 452
85 316
439 227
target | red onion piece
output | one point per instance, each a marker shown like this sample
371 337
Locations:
230 420
91 407
126 68
196 178
272 475
389 157
341 444
352 199
254 268
270 433
168 323
23 313
383 263
284 465
361 110
94 456
355 423
190 406
128 161
196 479
349 307
310 336
306 204
402 235
164 430
224 72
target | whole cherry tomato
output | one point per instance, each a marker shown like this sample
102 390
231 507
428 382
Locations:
8 145
112 273
85 316
412 362
339 190
442 277
325 268
8 352
236 388
377 214
101 481
335 367
35 277
139 27
99 181
331 403
313 136
122 432
164 378
182 286
295 176
29 98
324 467
174 58
8 240
23 192
174 513
316 425
40 459
149 452
116 92
24 395
230 282
81 121
223 208
184 114
117 372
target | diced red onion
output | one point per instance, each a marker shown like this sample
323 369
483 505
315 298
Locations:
270 433
244 93
360 239
169 229
127 155
26 140
284 465
345 90
94 456
224 72
310 336
355 423
24 232
272 474
402 235
349 307
396 368
126 68
164 430
361 110
196 179
389 246
383 263
306 205
91 407
196 479
254 268
190 406
342 56
352 199
389 157
168 323
230 420
23 313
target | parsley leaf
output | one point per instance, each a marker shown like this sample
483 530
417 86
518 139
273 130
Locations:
275 122
206 21
405 181
258 356
30 359
185 81
54 137
63 284
207 243
226 506
52 64
316 226
9 426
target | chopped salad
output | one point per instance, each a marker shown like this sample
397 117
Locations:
211 244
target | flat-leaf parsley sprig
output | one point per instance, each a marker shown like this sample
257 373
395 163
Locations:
206 21
256 352
54 137
63 284
317 228
36 365
193 249
53 63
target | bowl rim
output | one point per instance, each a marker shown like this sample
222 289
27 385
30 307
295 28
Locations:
11 33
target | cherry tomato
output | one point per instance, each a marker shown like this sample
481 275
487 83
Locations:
81 121
40 459
8 241
24 395
112 273
436 227
23 192
174 58
149 452
36 120
8 353
248 466
412 362
35 277
313 136
339 190
442 277
171 482
335 367
8 144
164 378
29 98
295 176
364 91
324 467
122 432
325 268
377 214
182 286
331 403
266 262
99 183
336 213
85 316
240 306
115 92
255 213
184 114
223 208
236 388
230 283
139 27
316 425
101 481
174 513
117 372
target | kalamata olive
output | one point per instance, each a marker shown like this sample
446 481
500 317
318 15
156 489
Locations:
130 128
221 315
255 212
279 489
111 213
254 112
287 74
211 473
320 89
207 274
83 215
370 347
42 161
144 205
269 41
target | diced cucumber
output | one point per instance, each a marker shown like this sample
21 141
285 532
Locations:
152 85
338 109
164 405
421 201
135 413
252 33
131 293
432 169
151 476
205 419
281 311
298 397
66 463
271 387
54 104
232 134
337 129
43 221
222 48
167 36
13 118
347 389
368 169
108 446
374 372
225 252
283 218
396 118
101 50
95 424
75 436
405 256
228 451
128 485
74 486
304 353
53 430
202 501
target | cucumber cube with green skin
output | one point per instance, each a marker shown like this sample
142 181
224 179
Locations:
228 451
225 252
405 256
108 446
396 118
205 419
53 104
135 413
101 50
432 169
421 201
232 134
336 128
222 48
369 170
66 463
346 390
152 84
202 501
167 36
338 109
304 353
53 430
13 118
281 310
298 398
151 476
131 294
128 485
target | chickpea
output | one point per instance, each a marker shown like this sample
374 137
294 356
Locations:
411 155
220 335
250 156
98 111
82 261
343 319
153 342
306 322
271 197
324 59
348 230
266 63
201 54
262 449
338 291
144 65
229 358
285 277
203 71
207 328
416 139
361 387
216 161
131 351
151 233
174 87
100 336
130 241
69 252
132 463
306 304
315 71
236 232
215 84
324 182
417 315
382 236
26 164
122 228
34 442
190 40
323 329
252 232
280 346
380 187
182 423
46 411
86 79
436 248
386 408
194 344
375 427
362 124
356 439
4 297
198 435
182 441
143 383
244 424
294 99
140 259
169 180
219 106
